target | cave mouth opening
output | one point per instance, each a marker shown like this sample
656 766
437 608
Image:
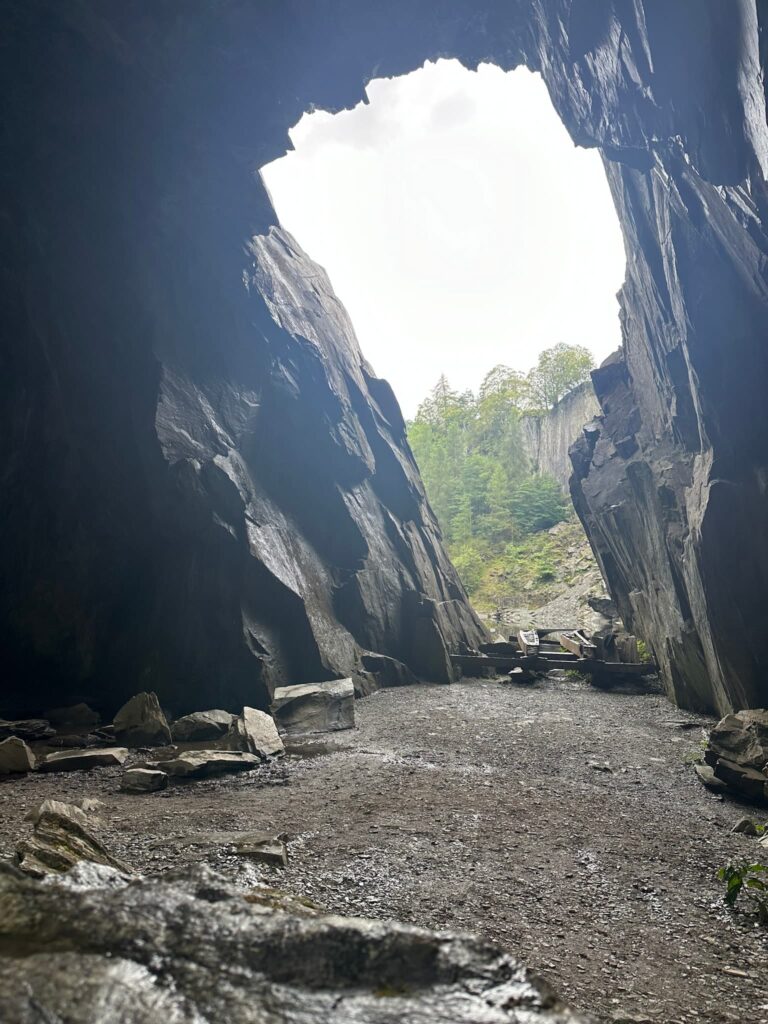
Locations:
467 234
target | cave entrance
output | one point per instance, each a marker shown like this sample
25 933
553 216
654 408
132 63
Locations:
479 254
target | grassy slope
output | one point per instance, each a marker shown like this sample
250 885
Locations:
535 571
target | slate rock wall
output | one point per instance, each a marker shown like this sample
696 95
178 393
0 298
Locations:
205 492
548 438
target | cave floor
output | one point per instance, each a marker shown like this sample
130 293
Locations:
475 807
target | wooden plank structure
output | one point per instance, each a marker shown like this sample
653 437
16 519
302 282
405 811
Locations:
532 657
575 642
529 641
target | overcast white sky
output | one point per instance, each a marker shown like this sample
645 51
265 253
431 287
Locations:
458 223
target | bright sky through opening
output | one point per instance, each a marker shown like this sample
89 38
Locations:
458 223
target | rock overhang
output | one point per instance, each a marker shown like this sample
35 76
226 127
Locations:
174 114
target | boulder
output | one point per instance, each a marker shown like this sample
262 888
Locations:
747 827
200 764
737 752
254 732
748 782
143 780
83 760
202 725
141 722
315 707
190 948
61 809
74 717
26 728
15 756
61 839
742 738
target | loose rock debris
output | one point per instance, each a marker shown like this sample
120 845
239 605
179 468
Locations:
473 807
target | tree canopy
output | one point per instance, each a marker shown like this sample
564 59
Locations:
559 370
469 448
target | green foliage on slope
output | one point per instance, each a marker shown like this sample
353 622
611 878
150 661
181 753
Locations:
488 501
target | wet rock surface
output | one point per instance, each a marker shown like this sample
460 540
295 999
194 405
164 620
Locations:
473 808
141 951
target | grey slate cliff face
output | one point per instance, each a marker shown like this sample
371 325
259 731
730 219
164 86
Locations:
205 490
548 438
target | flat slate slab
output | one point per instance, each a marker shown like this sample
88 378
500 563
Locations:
200 764
83 760
263 846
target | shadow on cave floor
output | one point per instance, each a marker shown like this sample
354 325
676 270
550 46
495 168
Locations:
487 808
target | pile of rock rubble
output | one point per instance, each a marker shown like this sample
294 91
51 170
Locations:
237 742
736 756
195 746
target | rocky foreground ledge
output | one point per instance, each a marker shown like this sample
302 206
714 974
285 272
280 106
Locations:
95 945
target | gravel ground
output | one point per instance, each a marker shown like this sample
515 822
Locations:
562 822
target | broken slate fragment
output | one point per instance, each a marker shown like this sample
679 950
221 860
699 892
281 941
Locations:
200 764
746 826
706 774
315 707
747 781
143 780
26 728
15 756
254 732
741 738
202 725
141 722
83 760
60 808
261 846
61 839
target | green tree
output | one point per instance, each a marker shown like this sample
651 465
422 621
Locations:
538 503
477 476
559 370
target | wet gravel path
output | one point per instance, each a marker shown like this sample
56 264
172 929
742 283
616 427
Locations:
485 807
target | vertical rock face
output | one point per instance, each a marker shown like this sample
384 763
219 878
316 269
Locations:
670 479
549 436
205 490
